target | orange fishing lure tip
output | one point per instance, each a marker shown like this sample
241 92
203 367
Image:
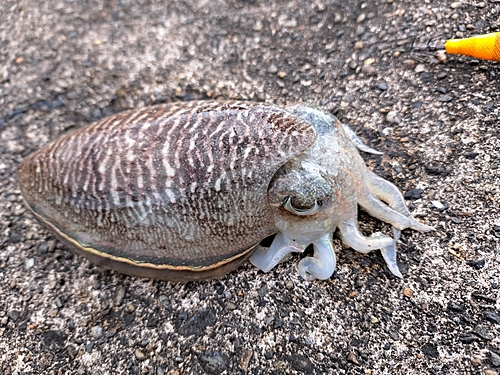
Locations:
485 47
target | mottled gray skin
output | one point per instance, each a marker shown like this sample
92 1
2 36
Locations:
174 191
185 191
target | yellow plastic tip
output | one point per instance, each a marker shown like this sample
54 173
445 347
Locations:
485 47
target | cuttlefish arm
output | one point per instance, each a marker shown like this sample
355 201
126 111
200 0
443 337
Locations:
320 266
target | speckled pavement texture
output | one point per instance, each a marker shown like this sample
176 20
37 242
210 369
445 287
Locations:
64 64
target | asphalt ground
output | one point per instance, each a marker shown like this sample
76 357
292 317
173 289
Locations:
64 64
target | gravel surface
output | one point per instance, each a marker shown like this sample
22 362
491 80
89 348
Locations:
66 63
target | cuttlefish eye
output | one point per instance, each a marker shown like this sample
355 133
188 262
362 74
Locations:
299 207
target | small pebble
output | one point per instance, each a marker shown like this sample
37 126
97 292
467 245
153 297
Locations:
438 205
359 45
369 70
360 30
246 355
352 358
495 359
420 68
441 56
492 316
14 315
120 295
264 290
165 301
289 23
30 263
490 372
111 333
282 74
409 64
215 361
407 292
477 264
387 131
456 307
43 248
96 331
475 361
272 69
130 308
392 117
139 354
445 98
369 61
394 335
466 338
257 26
482 332
413 194
52 246
382 86
58 302
15 238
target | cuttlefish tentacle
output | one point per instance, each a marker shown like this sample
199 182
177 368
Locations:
389 193
352 237
360 145
376 208
383 190
266 258
322 265
390 255
381 199
379 209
